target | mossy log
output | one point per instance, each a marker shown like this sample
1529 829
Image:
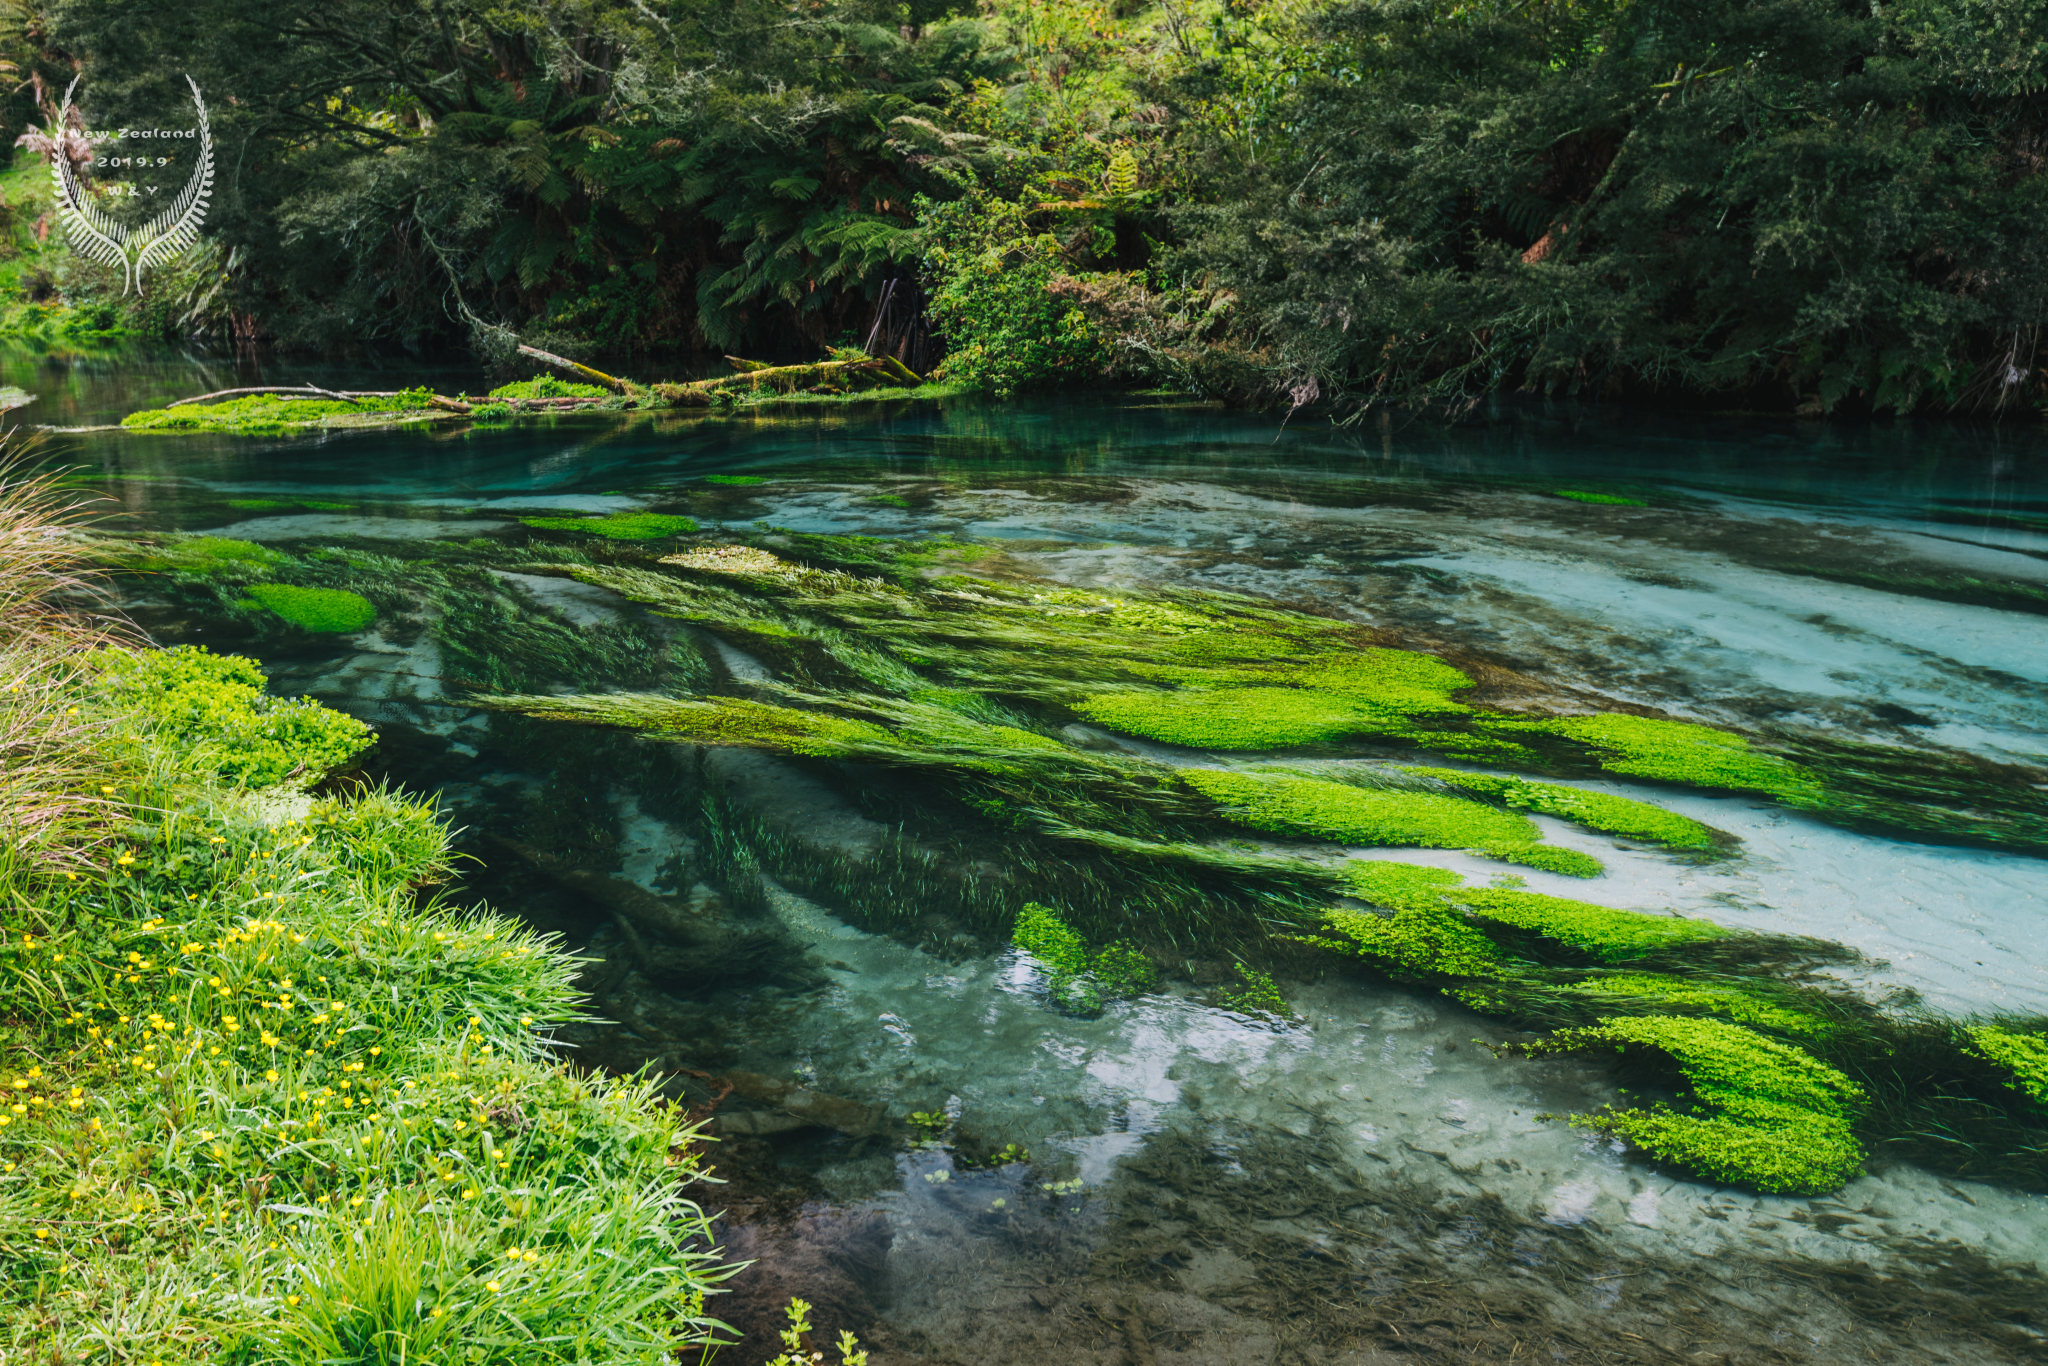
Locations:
583 372
754 376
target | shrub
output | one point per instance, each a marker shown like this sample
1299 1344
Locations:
213 709
993 299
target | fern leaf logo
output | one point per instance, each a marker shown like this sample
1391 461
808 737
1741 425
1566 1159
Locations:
133 250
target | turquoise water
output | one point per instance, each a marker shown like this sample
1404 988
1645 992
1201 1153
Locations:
1208 1186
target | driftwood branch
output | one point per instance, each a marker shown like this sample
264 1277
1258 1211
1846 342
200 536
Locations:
617 386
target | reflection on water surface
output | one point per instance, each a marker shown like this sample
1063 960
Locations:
1364 1180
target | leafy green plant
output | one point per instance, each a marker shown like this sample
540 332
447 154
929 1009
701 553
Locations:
214 709
796 1350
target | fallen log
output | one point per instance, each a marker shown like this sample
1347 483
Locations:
886 370
345 397
616 385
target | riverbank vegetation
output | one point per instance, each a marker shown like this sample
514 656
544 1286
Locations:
266 1099
1800 206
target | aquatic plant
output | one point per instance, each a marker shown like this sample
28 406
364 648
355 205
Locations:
796 1348
1419 940
1681 752
1745 1006
1309 807
1080 981
213 709
1605 932
1760 1113
1232 718
2025 1055
1257 994
618 526
741 480
327 611
1614 499
1594 810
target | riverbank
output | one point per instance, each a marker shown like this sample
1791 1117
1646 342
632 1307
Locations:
267 1098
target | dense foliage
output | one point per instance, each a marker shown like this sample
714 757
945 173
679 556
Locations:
1788 203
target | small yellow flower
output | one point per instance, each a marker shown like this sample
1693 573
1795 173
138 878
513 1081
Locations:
291 1299
491 1286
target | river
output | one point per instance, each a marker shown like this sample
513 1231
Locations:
1364 1181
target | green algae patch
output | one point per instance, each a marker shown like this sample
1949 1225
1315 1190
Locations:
1421 935
2024 1055
711 721
1680 752
268 414
1075 979
1603 931
1231 718
1610 499
1737 1004
258 504
1594 810
619 526
327 611
1283 804
736 480
1760 1113
1287 805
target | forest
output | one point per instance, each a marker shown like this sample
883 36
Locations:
1796 206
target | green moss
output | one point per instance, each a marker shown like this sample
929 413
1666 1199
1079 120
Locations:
1733 1002
1122 970
1231 718
1602 931
1040 932
258 504
738 480
1075 979
1594 810
1419 937
264 414
1679 752
1309 807
619 526
216 708
1550 858
547 386
1613 498
710 721
1400 884
2025 1054
327 611
1289 702
1761 1113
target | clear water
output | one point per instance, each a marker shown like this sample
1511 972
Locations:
1208 1187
